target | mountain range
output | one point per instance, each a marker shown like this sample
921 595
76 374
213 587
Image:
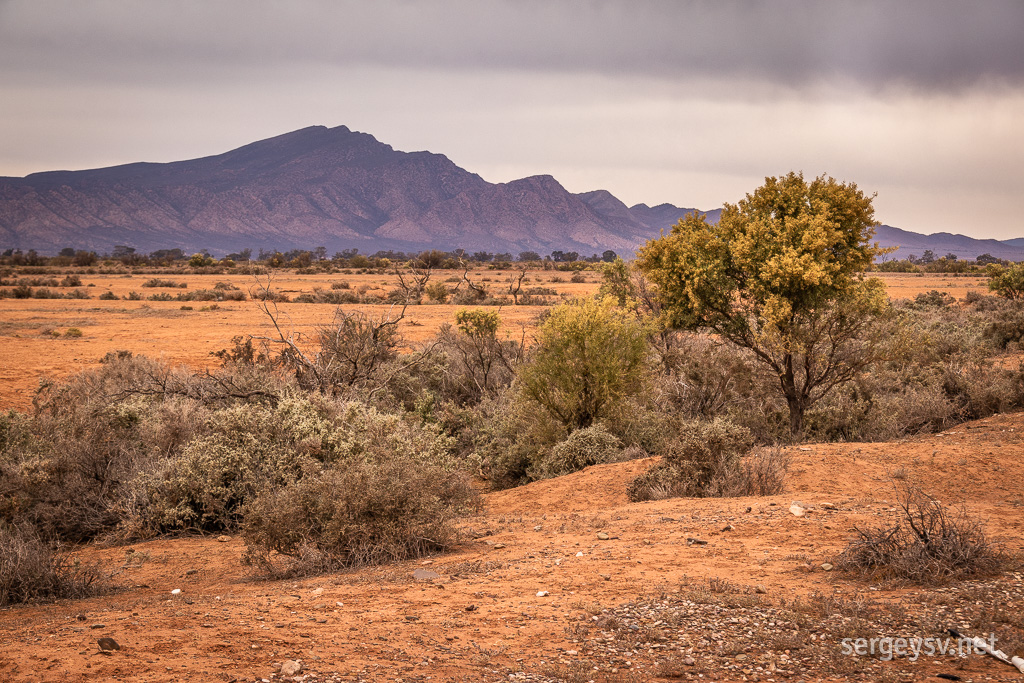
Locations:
342 189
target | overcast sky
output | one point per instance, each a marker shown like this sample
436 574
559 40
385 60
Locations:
692 103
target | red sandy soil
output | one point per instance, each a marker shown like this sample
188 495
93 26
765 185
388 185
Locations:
481 619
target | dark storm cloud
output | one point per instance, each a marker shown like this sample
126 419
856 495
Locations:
931 44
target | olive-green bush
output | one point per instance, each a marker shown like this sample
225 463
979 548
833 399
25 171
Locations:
368 511
697 464
583 447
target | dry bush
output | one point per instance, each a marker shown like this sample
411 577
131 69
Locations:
928 543
706 460
66 471
504 437
31 570
355 514
708 379
79 466
939 374
471 361
762 472
246 450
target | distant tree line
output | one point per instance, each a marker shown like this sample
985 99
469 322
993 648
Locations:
927 262
295 258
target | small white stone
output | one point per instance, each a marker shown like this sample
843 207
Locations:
542 594
176 591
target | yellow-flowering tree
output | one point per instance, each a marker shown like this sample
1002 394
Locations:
590 355
780 274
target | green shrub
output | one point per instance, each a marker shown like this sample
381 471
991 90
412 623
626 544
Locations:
932 299
438 292
1007 282
584 447
591 355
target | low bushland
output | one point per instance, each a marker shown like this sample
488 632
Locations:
136 449
352 446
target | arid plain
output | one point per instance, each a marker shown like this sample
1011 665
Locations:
560 580
33 346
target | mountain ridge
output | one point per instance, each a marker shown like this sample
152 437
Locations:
339 188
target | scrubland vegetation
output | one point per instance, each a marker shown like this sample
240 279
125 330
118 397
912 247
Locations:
353 446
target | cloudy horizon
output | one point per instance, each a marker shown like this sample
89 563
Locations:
691 103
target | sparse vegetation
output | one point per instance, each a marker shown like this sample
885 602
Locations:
927 543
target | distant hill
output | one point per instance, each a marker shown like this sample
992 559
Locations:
341 189
1016 242
316 186
942 243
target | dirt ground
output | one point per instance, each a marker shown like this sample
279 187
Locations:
565 580
34 344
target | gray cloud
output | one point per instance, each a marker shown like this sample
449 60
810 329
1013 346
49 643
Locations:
929 44
655 100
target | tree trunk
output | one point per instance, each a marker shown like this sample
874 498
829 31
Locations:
794 399
796 416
